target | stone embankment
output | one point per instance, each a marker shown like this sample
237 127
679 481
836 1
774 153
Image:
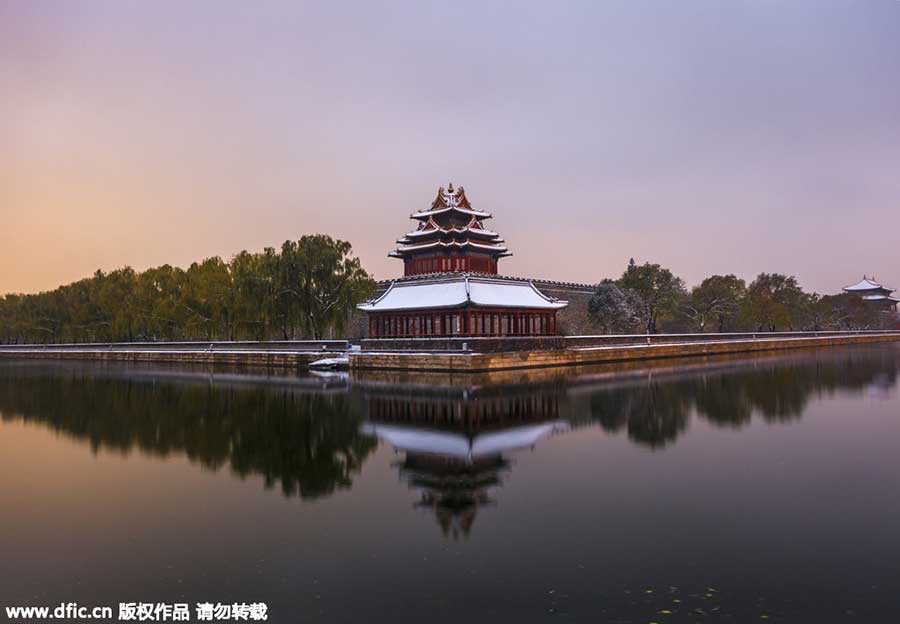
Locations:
581 350
453 354
288 353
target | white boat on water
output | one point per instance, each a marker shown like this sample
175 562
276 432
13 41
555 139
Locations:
332 363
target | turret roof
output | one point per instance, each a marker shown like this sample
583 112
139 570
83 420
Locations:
450 200
499 248
458 290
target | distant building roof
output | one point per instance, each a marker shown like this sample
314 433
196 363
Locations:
458 290
866 283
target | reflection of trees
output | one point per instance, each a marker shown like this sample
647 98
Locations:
780 393
716 400
308 443
653 413
654 410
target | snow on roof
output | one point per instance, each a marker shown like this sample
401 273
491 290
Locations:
490 246
483 231
458 291
424 214
510 278
412 440
866 284
879 298
447 200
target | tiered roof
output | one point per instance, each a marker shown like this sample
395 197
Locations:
458 290
451 201
451 223
866 284
870 290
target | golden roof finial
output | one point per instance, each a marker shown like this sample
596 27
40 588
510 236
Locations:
450 187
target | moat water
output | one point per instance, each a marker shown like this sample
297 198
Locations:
721 490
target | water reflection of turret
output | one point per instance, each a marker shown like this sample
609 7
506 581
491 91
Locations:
456 443
454 490
464 409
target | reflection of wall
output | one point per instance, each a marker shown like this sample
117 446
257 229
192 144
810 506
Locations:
465 413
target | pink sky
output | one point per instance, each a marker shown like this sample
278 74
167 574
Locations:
709 137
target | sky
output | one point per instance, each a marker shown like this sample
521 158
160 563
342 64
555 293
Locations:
707 136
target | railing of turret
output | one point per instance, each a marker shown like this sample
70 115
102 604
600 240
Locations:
496 344
190 346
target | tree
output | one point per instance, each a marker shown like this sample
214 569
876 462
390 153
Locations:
253 283
158 297
209 298
716 300
331 283
846 311
612 308
774 300
655 291
310 288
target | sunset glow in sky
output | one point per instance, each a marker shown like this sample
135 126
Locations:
708 136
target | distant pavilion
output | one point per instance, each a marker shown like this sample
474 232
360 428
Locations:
874 293
450 285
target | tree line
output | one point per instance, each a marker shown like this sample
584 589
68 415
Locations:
650 298
307 289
